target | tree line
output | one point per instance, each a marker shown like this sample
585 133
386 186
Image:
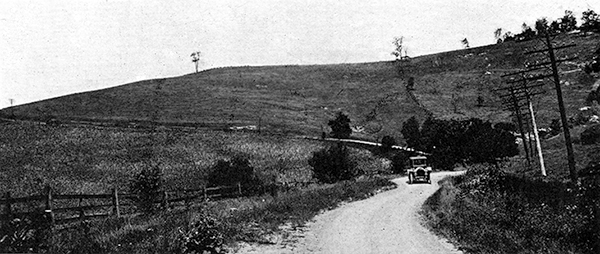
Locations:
590 22
460 141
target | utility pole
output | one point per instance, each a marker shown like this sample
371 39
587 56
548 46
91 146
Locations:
539 71
517 98
563 114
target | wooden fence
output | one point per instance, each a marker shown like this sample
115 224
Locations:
60 209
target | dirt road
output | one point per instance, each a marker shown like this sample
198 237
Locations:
385 223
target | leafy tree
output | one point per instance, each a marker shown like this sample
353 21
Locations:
541 26
234 171
387 142
486 144
555 27
590 21
411 133
340 126
473 140
332 164
506 126
508 36
526 33
568 22
399 162
146 186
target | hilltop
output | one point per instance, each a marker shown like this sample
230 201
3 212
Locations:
301 99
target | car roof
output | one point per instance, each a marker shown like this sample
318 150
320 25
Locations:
418 157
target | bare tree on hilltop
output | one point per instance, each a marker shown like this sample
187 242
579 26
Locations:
398 47
196 59
465 43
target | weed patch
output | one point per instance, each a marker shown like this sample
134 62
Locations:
488 211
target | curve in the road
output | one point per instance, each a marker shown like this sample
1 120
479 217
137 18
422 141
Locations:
385 223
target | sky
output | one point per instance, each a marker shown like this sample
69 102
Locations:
50 48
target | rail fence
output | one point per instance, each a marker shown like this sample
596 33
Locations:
61 209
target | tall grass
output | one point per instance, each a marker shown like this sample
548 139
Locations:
84 159
250 219
488 211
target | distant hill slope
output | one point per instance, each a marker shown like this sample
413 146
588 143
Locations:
301 99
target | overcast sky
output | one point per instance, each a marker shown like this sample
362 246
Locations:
52 48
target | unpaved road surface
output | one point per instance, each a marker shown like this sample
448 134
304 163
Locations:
385 223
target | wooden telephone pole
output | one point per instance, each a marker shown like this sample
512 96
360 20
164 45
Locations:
547 68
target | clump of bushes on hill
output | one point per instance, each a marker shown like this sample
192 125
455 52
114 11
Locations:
236 171
332 164
147 185
591 135
340 126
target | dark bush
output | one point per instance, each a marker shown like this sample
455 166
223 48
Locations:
332 164
399 162
340 126
591 135
203 236
411 132
233 172
26 234
386 143
147 186
505 126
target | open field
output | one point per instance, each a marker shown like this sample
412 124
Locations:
92 160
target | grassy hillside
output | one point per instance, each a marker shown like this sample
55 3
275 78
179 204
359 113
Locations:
300 99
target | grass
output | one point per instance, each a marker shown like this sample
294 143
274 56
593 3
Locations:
301 99
91 160
76 159
488 211
251 219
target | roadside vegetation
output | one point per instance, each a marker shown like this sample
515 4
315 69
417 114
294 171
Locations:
490 211
75 159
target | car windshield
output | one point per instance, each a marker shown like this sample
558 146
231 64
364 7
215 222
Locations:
419 162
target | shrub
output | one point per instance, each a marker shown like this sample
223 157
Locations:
411 133
399 162
340 126
146 186
203 236
234 171
591 135
27 234
386 143
332 164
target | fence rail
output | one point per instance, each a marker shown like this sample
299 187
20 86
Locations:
60 208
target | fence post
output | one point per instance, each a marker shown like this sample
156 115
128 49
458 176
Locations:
7 206
81 211
115 203
239 185
165 201
48 210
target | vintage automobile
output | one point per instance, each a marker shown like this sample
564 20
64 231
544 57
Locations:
419 171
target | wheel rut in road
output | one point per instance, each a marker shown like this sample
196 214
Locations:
385 223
